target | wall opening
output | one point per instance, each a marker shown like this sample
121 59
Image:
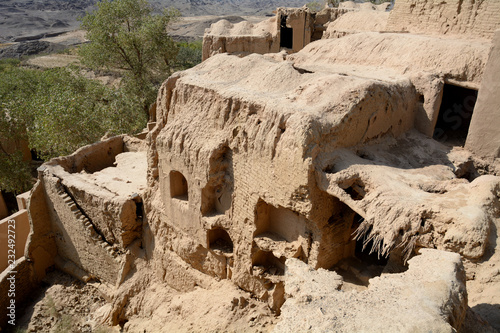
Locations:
280 222
362 252
265 262
178 186
455 115
219 239
356 190
217 195
286 39
138 210
357 266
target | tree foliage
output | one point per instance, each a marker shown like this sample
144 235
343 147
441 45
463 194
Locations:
189 55
127 35
315 6
56 111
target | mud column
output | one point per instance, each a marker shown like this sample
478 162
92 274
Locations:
484 136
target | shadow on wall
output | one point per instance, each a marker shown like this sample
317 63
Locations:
489 312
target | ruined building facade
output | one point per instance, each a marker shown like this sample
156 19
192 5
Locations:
348 148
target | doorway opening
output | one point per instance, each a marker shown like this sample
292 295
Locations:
286 39
455 115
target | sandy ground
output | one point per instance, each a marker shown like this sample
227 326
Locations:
62 304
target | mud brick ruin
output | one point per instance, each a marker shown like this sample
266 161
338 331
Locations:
305 153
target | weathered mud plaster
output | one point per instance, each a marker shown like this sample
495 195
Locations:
484 136
95 207
476 19
322 156
429 297
248 169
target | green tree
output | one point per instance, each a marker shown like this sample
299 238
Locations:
127 35
14 96
315 6
56 111
189 55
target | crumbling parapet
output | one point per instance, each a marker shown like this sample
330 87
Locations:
14 231
468 18
291 29
86 218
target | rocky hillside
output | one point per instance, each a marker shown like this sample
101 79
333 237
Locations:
32 19
229 7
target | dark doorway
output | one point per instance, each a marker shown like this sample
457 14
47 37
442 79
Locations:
362 250
363 253
286 34
455 115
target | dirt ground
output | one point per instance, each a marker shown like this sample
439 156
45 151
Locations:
62 304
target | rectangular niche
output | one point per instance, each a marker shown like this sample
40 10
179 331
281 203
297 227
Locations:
219 240
281 222
265 262
217 195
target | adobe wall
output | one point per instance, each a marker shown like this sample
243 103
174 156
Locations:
41 249
76 238
484 134
429 63
239 45
452 17
25 282
245 151
17 226
244 38
88 210
241 38
22 200
301 21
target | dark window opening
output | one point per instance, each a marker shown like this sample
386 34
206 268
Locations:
138 210
357 190
363 253
455 115
219 239
178 186
286 34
